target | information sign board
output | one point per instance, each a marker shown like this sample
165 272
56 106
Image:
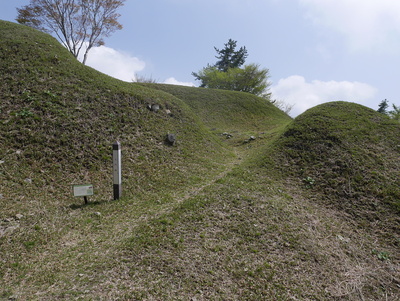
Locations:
83 190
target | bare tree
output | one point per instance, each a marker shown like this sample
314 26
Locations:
78 24
282 105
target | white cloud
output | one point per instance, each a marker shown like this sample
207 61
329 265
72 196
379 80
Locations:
304 95
365 24
115 63
173 81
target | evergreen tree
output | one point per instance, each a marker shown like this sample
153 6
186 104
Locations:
226 73
229 57
383 106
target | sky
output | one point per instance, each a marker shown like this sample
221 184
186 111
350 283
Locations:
316 50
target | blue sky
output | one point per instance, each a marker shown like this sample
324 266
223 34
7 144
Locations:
316 50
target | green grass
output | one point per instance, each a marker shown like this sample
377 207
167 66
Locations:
347 155
231 111
209 218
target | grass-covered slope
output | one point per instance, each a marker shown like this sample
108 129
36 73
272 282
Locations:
236 113
348 156
60 118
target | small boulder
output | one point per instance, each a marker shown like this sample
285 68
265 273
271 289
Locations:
153 107
227 135
171 139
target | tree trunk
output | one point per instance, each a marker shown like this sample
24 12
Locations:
85 55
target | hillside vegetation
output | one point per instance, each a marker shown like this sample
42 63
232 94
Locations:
60 118
349 154
248 204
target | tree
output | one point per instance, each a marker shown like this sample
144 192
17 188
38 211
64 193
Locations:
383 106
395 113
229 58
226 73
281 105
251 79
78 24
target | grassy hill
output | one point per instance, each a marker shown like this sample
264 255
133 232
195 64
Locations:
306 211
60 118
349 154
226 111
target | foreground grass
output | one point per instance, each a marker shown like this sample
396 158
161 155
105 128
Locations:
239 236
233 242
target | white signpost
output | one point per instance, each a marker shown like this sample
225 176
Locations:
117 175
83 190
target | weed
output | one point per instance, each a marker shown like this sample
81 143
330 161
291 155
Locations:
309 182
24 113
381 255
49 93
29 244
28 97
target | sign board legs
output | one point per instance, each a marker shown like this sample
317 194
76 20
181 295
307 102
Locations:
117 176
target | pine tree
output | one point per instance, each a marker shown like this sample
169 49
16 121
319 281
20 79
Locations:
383 107
228 57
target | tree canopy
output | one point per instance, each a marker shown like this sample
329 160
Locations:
226 73
228 57
250 79
393 114
383 105
78 24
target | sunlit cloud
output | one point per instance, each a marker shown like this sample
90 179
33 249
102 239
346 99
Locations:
118 64
173 81
304 95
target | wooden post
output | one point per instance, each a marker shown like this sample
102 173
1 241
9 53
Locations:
117 176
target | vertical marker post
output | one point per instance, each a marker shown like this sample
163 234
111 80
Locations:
117 175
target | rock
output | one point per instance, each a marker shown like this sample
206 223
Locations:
28 180
171 139
155 107
252 138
